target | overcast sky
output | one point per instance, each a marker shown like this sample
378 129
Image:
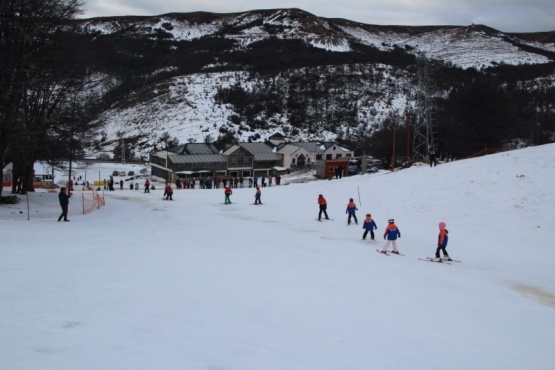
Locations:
503 15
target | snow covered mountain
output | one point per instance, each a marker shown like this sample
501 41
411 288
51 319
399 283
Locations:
182 65
472 46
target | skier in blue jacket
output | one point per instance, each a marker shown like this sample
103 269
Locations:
351 209
369 226
257 196
391 233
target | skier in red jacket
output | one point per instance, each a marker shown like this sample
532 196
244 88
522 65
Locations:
442 239
227 193
168 191
323 207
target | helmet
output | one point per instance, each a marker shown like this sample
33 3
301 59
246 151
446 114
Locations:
320 196
351 199
368 215
442 225
391 220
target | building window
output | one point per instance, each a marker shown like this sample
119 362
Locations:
318 157
338 155
328 156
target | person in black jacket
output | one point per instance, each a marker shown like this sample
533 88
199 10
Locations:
64 203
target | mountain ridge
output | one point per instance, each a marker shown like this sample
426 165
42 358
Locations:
257 48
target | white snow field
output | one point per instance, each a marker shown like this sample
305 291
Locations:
145 283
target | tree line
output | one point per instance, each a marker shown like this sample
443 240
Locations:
47 93
472 110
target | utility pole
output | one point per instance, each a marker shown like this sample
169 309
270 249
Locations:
122 151
393 159
425 131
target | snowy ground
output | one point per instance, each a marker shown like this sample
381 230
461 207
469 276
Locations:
145 283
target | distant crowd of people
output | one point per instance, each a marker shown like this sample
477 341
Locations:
223 182
202 183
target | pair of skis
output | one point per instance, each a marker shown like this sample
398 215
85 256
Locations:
432 259
387 254
427 259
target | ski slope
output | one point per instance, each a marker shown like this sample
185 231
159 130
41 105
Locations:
145 283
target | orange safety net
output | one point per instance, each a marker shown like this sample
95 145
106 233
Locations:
92 201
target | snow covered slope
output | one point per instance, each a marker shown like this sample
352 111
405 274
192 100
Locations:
192 284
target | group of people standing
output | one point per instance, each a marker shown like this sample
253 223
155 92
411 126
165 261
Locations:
231 182
391 233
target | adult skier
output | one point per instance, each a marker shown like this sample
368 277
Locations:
63 197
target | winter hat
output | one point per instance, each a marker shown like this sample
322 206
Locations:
351 199
391 220
368 215
442 225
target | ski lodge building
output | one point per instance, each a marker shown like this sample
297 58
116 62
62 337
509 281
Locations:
195 160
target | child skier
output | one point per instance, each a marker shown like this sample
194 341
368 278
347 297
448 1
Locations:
227 193
147 186
168 191
323 205
391 233
351 209
369 225
257 196
442 243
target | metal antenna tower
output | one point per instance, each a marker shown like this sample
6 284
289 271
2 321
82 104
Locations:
425 132
123 151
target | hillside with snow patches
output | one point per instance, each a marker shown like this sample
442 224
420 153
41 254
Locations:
195 284
185 106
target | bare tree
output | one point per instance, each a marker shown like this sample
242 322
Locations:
30 92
